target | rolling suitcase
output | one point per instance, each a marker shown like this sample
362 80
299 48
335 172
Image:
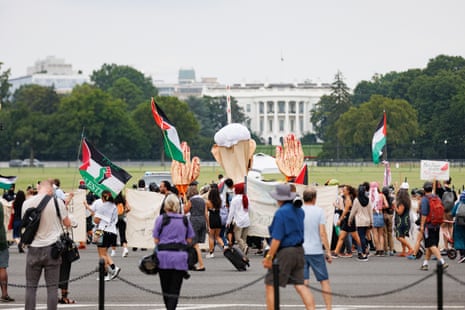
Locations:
237 258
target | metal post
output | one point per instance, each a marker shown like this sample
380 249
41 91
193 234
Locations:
101 284
276 283
440 291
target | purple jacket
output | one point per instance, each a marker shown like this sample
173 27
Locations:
174 232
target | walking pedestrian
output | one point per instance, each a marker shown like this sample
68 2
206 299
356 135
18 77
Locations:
171 233
4 260
429 230
287 236
316 245
38 254
105 218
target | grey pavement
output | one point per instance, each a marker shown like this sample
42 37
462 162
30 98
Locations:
357 285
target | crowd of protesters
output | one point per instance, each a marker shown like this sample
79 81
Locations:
368 215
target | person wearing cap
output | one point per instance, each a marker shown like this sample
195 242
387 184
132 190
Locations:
429 230
402 207
287 236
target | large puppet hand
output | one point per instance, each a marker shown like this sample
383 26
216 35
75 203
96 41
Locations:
290 157
185 173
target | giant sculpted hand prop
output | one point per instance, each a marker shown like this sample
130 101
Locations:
184 174
290 157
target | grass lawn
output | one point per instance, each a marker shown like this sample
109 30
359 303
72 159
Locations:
346 175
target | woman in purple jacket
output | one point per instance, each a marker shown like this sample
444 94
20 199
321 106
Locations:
172 233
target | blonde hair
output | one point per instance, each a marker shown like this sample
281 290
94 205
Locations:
172 204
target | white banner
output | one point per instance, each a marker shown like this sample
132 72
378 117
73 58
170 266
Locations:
77 212
434 170
145 208
262 206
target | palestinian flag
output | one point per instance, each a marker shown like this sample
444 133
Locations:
302 178
7 182
170 134
379 140
99 173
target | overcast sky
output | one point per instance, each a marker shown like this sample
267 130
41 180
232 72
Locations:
235 41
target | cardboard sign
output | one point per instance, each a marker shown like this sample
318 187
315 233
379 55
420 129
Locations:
434 170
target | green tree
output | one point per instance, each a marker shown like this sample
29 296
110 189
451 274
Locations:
104 122
108 78
124 89
327 111
444 63
355 128
211 113
30 115
4 85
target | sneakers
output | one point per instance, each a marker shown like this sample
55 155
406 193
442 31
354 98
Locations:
461 260
112 253
346 255
125 253
113 273
6 298
412 257
424 267
362 258
445 266
210 255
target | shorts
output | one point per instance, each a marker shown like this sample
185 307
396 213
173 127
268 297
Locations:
403 228
291 267
200 230
345 226
109 239
378 220
4 258
318 265
433 236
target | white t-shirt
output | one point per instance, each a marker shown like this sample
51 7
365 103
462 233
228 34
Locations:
50 227
314 217
237 213
108 216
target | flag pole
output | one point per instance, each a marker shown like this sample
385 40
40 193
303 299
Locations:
228 104
385 155
77 159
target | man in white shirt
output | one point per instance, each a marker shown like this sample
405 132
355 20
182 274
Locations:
38 254
315 239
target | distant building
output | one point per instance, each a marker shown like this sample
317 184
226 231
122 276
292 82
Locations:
275 110
187 85
50 72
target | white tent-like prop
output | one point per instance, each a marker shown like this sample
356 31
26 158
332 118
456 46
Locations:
264 164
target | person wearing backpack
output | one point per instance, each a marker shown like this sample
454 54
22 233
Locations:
458 211
430 224
448 198
39 251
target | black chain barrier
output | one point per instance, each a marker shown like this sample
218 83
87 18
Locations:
239 288
375 294
192 297
85 275
454 278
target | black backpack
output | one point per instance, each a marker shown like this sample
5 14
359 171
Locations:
448 200
31 220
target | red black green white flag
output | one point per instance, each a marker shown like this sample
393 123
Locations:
7 181
379 140
99 173
170 134
302 178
